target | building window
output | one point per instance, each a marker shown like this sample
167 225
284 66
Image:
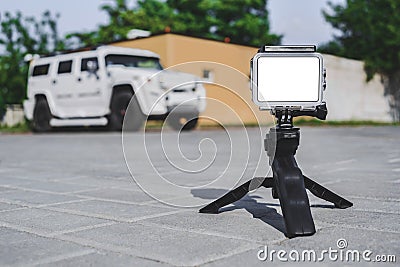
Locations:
208 75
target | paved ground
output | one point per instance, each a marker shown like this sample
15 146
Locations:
68 199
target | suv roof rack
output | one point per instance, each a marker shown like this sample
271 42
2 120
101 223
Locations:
64 52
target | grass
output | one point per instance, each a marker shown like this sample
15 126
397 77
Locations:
352 123
155 125
18 128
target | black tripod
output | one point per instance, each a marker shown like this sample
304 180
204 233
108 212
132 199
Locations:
288 183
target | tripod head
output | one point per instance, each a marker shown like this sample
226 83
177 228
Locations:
285 116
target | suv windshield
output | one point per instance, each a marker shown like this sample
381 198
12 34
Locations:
134 61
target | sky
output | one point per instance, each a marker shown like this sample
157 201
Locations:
300 21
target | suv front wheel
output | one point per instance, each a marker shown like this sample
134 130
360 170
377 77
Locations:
41 116
119 109
182 122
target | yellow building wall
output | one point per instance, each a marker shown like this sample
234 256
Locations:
229 96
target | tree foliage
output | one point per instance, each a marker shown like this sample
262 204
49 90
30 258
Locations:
243 22
370 31
20 35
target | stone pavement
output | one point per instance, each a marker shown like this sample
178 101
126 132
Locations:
68 199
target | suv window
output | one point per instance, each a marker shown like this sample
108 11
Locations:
86 60
65 67
134 61
40 70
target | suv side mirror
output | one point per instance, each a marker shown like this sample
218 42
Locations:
92 66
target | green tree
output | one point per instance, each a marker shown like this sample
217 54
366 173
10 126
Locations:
152 15
243 22
370 31
19 36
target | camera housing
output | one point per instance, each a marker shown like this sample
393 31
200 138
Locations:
287 77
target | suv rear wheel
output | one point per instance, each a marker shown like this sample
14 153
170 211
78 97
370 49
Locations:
41 116
119 108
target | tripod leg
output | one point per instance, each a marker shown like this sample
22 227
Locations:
236 194
324 193
268 182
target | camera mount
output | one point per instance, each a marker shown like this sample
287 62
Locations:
288 182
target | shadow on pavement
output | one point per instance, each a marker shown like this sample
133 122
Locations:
327 206
76 129
261 211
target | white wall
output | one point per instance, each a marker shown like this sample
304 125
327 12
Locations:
14 115
349 96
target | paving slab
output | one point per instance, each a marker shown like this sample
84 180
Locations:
224 225
119 194
35 198
25 249
357 240
104 182
48 221
164 244
12 180
55 187
380 221
103 258
113 210
7 206
5 189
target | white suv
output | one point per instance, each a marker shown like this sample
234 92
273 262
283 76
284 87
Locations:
94 88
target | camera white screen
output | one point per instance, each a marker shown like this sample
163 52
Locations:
288 79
